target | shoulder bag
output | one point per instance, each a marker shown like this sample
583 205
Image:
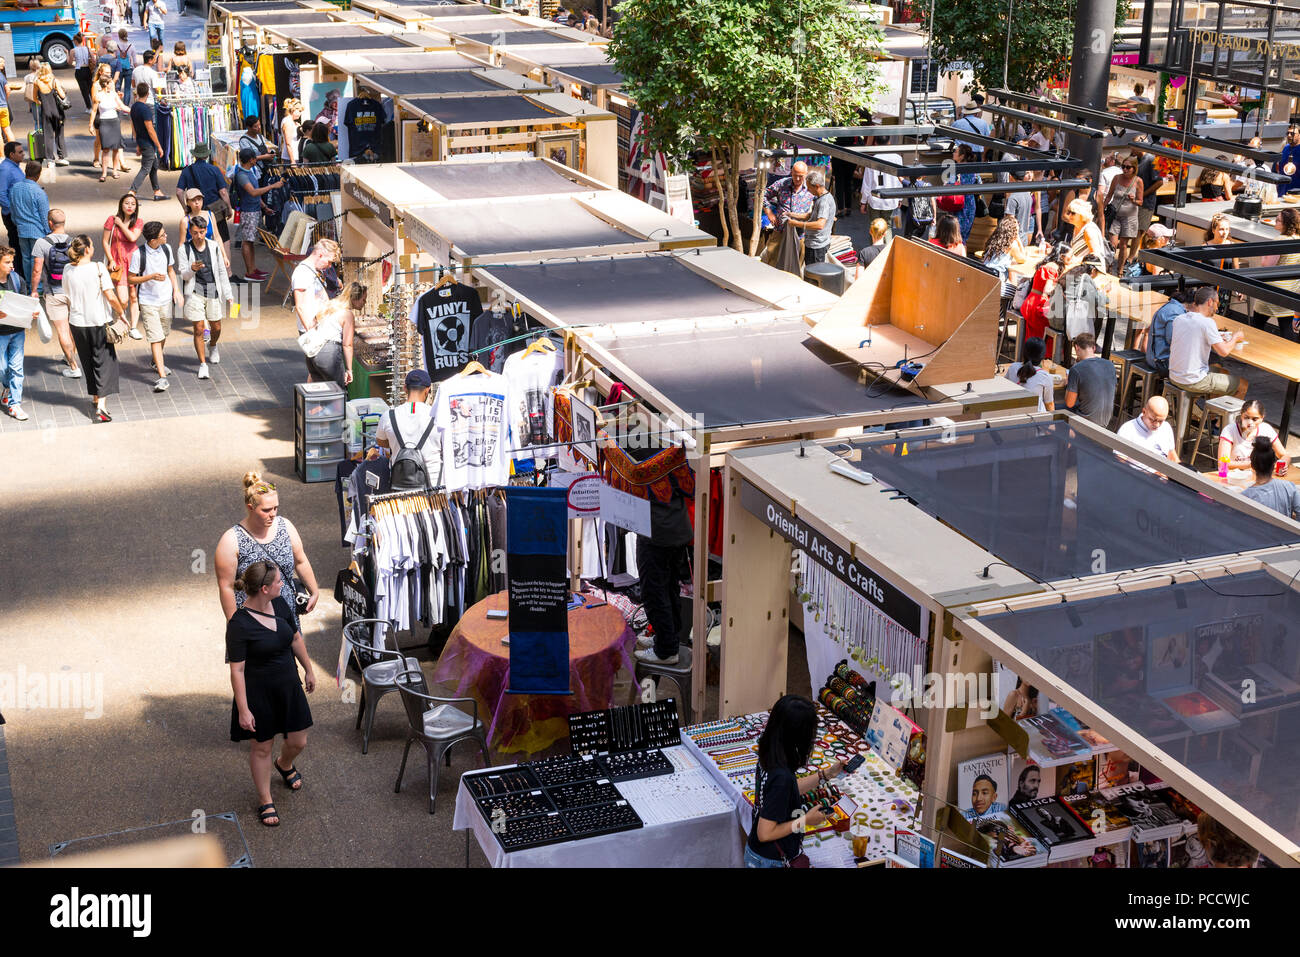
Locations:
301 594
116 328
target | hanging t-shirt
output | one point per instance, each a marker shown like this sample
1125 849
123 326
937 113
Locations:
531 379
364 119
473 413
444 317
155 292
492 329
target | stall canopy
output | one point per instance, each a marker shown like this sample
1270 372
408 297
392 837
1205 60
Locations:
481 110
576 55
593 75
358 64
445 82
1054 503
516 38
265 18
262 6
485 180
359 40
304 34
1183 660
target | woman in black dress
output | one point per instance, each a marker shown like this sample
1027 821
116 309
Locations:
262 643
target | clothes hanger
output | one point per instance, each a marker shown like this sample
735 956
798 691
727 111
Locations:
473 368
540 345
446 279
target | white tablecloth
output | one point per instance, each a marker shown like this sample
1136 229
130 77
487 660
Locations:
707 841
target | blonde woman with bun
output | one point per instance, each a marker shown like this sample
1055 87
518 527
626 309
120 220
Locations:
263 535
262 641
289 126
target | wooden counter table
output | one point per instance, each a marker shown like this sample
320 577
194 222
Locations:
1273 354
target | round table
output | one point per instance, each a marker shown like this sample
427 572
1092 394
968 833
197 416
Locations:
477 664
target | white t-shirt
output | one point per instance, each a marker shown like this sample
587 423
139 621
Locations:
1041 383
1191 338
1161 441
1108 176
85 285
155 292
412 419
1241 447
473 413
305 278
531 379
144 74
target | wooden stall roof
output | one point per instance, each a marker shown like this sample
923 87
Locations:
298 34
358 64
481 176
495 38
267 18
361 42
546 56
477 81
598 76
248 6
480 111
531 228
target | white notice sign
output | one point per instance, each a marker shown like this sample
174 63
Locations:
584 492
624 510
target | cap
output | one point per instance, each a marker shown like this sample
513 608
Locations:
1160 232
201 151
418 379
192 194
246 154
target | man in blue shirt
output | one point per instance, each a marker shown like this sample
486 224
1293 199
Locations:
1158 335
971 120
210 181
11 171
30 208
1290 154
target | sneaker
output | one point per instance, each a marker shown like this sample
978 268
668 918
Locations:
72 373
214 356
137 334
257 276
63 162
203 371
646 641
162 385
649 657
17 412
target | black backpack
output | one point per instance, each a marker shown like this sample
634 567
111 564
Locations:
407 470
56 260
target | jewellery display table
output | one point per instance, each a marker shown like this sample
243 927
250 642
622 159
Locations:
689 822
476 663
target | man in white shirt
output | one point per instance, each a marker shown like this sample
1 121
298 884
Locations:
1151 429
1193 336
152 272
309 293
413 417
145 73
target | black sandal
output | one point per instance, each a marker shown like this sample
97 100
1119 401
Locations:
290 777
268 811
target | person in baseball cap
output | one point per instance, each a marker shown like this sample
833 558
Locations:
418 380
406 424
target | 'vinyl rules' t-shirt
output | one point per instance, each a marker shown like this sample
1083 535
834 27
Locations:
444 317
364 119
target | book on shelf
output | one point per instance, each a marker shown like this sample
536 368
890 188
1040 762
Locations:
1147 854
1243 688
1090 737
1153 819
914 848
1056 826
1199 712
1027 779
948 858
982 785
1079 777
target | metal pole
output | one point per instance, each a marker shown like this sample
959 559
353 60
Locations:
1094 35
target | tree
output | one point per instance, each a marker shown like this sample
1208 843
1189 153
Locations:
713 75
975 32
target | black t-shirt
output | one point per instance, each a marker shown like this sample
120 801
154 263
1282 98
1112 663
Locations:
263 650
867 254
141 113
364 119
1150 182
493 329
205 280
1094 381
444 317
776 799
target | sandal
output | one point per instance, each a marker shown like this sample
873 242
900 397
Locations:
267 811
291 777
103 178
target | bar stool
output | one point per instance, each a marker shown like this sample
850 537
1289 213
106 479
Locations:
1221 410
1139 380
1122 359
1183 402
679 674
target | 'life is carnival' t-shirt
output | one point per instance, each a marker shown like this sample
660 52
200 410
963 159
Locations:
444 317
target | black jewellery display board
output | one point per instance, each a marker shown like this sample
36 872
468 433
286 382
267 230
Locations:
861 579
634 727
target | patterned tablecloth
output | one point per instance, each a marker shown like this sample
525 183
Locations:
476 664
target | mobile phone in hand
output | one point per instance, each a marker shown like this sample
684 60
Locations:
854 763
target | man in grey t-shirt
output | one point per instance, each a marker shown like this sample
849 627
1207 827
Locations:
1090 388
1278 494
819 221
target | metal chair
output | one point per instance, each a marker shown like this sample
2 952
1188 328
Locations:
437 724
1181 404
1139 381
1221 410
377 679
679 674
1122 360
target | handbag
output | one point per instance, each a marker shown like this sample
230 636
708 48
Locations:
312 341
953 203
117 328
220 208
301 594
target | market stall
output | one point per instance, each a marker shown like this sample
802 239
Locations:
1192 220
998 516
478 81
340 66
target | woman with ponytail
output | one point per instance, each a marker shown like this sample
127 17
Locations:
1271 492
1033 377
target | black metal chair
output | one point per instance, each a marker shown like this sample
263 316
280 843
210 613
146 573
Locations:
377 677
437 724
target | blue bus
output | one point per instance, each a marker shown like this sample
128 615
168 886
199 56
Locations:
43 31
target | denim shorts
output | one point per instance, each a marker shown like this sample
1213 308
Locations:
754 859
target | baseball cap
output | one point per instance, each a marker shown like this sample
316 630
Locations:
418 379
1160 232
246 154
201 151
192 194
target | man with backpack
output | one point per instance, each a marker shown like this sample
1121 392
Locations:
152 271
412 438
50 257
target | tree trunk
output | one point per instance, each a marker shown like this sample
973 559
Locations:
733 196
719 178
760 187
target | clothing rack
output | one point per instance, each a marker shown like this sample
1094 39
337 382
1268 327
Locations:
183 122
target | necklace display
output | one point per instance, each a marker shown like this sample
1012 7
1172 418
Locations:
646 725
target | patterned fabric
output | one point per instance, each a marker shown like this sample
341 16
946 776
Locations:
785 199
279 550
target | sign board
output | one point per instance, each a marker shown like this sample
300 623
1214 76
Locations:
368 201
430 243
840 563
624 510
538 587
583 492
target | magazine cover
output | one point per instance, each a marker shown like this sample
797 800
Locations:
1228 642
1199 712
1188 852
1051 741
1071 663
1108 856
1089 736
1027 780
952 859
1079 777
1119 662
982 786
1018 700
1152 817
1051 822
914 764
1104 817
914 848
1145 715
889 733
1010 845
1169 659
1186 810
1149 854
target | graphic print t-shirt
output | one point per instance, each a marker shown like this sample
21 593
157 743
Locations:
531 379
364 119
493 328
444 317
473 413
